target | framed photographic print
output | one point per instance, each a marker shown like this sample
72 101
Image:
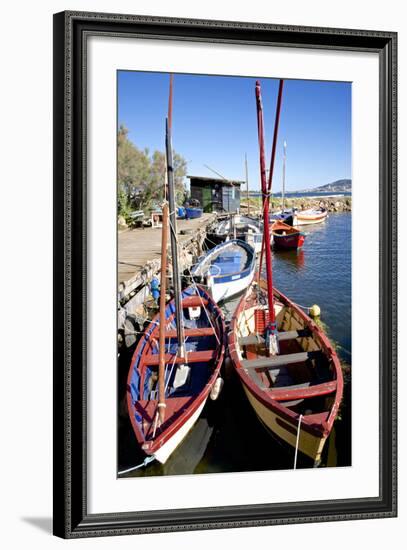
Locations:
224 274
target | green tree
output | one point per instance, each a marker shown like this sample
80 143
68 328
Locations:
141 176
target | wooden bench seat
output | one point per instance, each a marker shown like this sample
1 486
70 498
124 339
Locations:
192 357
279 360
191 332
302 391
194 301
256 339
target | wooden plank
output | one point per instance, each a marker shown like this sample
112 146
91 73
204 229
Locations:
194 301
301 391
193 357
279 360
256 339
191 332
292 334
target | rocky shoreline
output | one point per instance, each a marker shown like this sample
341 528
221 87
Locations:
332 204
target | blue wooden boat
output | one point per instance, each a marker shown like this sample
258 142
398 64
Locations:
193 209
181 212
227 269
192 212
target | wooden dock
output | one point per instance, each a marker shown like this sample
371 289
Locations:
140 249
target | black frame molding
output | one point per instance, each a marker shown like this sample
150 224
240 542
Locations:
71 30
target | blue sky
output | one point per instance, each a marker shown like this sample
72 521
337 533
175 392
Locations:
214 123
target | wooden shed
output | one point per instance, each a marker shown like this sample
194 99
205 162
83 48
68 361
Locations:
216 195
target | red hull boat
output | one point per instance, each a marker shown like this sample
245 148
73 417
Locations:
286 237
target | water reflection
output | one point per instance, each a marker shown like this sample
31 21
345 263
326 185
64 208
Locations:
294 257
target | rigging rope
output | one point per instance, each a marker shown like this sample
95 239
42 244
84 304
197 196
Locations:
197 290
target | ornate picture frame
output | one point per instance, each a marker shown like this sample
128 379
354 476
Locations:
71 33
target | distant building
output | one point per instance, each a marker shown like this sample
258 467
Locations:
216 195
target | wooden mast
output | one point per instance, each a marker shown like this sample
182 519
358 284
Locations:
176 276
271 329
161 342
247 185
284 161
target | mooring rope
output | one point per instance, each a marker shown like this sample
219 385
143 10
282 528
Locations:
146 461
297 442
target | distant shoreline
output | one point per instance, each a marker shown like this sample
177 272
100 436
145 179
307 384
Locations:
331 202
303 194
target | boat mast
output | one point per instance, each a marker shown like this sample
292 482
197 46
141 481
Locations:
271 329
161 341
284 161
247 185
176 277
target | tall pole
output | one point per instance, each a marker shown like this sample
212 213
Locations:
161 342
247 185
176 277
271 329
276 125
284 161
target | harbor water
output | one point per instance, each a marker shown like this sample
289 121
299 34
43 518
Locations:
228 437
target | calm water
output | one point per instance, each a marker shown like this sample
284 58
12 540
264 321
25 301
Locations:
228 436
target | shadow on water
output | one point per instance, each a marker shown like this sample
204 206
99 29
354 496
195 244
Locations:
228 437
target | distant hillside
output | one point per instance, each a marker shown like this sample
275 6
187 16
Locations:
338 186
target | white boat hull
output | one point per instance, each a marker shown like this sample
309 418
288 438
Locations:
309 222
223 290
171 444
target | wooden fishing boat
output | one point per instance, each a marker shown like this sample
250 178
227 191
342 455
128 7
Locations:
226 270
311 216
286 237
296 394
177 361
288 368
188 380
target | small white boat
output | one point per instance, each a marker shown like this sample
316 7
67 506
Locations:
239 227
226 270
311 216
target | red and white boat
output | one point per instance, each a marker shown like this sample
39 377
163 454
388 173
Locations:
188 381
288 369
286 237
297 392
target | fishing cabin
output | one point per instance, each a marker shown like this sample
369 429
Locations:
216 195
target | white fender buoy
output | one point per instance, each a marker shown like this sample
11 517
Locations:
216 389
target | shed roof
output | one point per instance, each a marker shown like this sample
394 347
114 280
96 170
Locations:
216 181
